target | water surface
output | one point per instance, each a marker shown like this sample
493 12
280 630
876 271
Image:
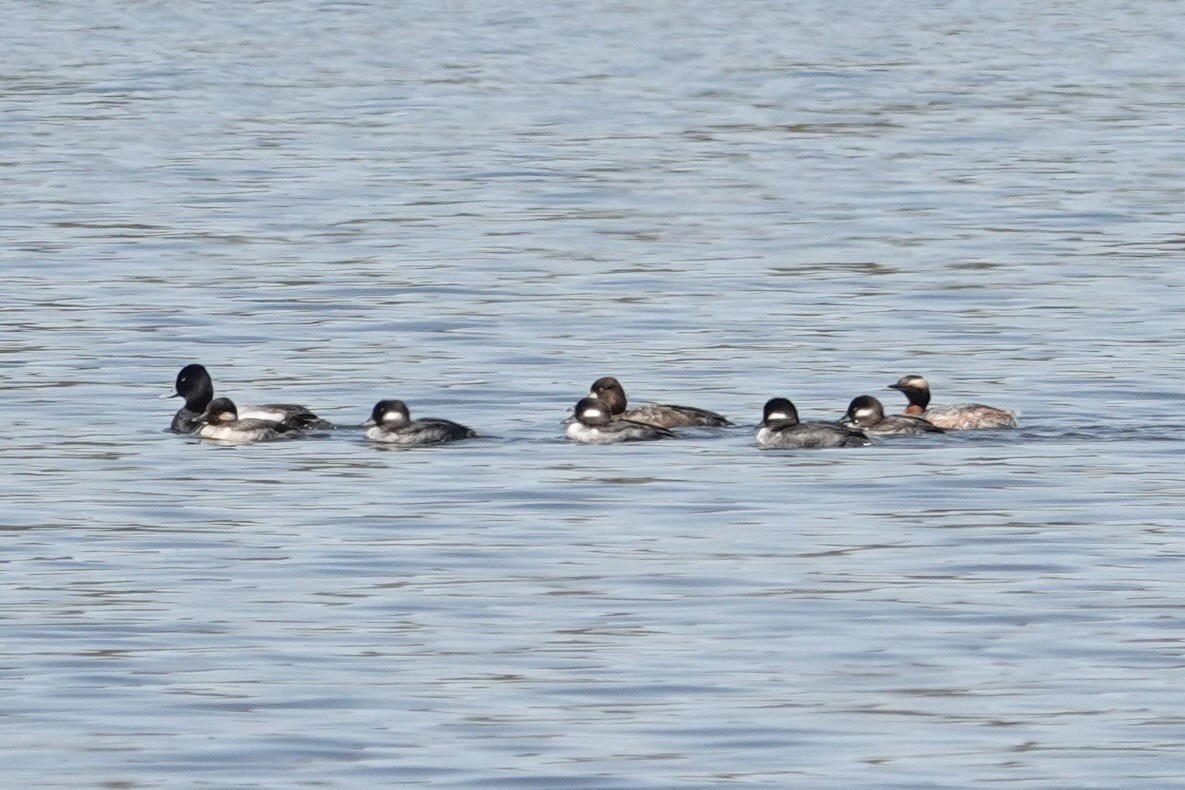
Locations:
480 209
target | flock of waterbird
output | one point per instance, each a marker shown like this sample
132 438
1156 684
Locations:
603 417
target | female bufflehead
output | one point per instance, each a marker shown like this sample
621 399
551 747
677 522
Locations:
391 423
961 417
194 384
867 414
608 390
221 423
594 423
780 429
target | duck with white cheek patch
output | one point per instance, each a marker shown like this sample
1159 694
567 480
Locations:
221 423
594 423
780 429
195 385
867 414
391 423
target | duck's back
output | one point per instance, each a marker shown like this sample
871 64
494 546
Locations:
290 414
244 431
418 432
810 436
902 424
969 416
669 416
616 431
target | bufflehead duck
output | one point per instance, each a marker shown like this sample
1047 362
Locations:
608 390
594 423
391 423
960 417
867 414
780 429
221 423
195 385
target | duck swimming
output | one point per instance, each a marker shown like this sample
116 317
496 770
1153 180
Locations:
221 423
867 414
781 429
959 417
195 385
608 390
594 423
391 423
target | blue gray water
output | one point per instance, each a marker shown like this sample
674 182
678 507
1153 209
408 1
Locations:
480 208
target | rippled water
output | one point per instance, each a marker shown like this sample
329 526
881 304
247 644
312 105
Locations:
482 207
